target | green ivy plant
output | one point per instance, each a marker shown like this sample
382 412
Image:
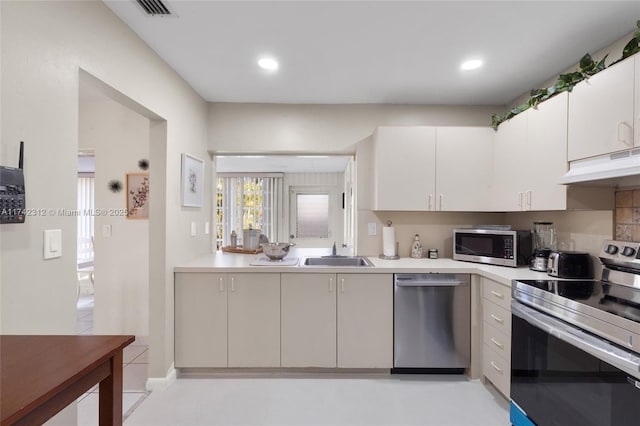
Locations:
633 46
566 82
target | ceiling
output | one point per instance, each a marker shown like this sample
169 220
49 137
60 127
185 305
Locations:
376 51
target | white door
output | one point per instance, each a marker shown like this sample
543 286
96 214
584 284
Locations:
312 216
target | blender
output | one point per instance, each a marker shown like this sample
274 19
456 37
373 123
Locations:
544 242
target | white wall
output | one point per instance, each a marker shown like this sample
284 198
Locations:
323 128
44 47
119 137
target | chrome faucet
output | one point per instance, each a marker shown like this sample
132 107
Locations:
334 252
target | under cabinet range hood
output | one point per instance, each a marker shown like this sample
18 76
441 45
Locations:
617 169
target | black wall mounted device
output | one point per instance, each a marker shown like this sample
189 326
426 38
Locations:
12 195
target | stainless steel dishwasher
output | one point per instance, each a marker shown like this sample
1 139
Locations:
432 322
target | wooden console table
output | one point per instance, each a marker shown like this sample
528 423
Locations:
40 375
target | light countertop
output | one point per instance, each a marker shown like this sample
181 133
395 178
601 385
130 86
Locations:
236 263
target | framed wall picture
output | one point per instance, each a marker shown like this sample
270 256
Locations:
192 181
137 195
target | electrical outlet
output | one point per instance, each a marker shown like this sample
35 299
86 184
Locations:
371 228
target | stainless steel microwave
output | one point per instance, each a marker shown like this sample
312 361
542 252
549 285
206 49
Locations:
493 246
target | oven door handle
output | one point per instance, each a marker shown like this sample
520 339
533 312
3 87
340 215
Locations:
599 348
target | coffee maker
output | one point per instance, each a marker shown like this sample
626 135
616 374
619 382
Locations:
544 242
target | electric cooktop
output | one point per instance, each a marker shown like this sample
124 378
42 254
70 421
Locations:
619 300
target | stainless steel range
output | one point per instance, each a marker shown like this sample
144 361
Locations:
575 357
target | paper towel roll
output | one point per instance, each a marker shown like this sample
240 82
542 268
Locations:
388 241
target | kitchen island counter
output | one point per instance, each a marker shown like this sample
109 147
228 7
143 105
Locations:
220 262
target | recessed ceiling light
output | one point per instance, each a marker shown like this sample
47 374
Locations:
269 64
471 65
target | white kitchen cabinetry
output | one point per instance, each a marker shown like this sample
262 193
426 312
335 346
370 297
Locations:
421 168
308 320
337 320
496 330
201 320
365 320
254 320
463 168
601 112
404 164
530 157
545 159
509 161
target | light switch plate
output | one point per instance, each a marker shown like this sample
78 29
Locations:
106 231
193 229
371 228
206 228
52 243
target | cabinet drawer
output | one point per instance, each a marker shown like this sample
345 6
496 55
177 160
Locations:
497 370
497 316
497 340
497 293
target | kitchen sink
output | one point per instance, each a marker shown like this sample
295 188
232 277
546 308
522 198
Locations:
337 261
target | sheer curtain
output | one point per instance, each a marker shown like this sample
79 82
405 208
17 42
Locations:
85 205
255 200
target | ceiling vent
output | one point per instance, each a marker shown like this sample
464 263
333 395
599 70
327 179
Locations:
154 7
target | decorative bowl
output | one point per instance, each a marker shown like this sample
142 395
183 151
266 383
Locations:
276 251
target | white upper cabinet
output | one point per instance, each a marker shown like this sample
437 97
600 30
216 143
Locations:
546 155
510 159
601 115
432 169
530 157
404 162
464 158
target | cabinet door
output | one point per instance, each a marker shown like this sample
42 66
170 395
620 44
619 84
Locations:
308 320
404 160
365 320
254 320
200 320
547 155
510 159
464 156
601 112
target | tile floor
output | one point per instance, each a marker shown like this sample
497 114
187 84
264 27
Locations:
295 400
387 400
135 360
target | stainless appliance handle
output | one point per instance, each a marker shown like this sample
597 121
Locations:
426 283
599 348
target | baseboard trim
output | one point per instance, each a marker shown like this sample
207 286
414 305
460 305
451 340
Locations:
160 384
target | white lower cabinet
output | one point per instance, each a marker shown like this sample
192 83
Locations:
284 320
496 331
365 320
308 320
254 320
201 320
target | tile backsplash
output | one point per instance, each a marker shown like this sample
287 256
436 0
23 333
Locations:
627 215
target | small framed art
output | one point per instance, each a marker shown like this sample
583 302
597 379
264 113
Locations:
137 195
192 181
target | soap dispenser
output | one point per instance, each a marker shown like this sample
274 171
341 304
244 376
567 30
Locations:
416 247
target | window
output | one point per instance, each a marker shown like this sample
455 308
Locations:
85 208
247 201
312 215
